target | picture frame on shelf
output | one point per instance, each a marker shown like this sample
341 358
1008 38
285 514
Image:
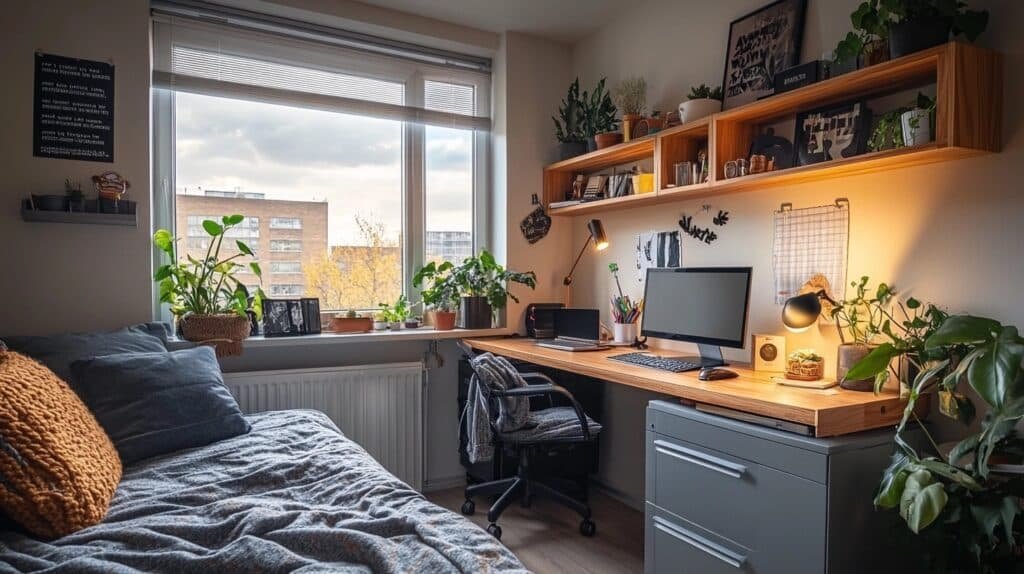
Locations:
830 133
595 187
762 43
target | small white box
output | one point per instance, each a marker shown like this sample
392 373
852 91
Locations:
769 353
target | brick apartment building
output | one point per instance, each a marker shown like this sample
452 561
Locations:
282 233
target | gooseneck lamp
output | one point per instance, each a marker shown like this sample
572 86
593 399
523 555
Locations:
600 240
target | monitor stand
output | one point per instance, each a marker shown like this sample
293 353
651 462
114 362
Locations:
710 356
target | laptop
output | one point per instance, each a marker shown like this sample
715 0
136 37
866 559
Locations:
576 330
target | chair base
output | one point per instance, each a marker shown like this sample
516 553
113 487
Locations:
523 488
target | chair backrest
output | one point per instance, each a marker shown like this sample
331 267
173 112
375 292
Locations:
493 375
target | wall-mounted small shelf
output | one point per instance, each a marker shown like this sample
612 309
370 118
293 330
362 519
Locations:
968 84
41 216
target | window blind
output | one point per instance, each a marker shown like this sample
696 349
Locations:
198 56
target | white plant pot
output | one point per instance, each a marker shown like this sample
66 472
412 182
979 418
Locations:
692 110
380 325
396 326
920 135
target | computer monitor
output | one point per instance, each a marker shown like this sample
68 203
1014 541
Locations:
703 305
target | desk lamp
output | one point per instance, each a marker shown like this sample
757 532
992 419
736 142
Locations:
600 240
800 312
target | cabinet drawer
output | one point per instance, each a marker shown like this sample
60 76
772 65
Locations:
676 546
760 508
687 424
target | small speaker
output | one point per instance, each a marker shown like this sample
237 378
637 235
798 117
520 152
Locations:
769 353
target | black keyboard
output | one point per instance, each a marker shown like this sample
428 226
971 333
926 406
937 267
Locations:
654 362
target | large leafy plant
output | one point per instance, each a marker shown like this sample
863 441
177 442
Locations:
863 315
871 21
569 123
598 111
482 276
437 286
964 511
207 286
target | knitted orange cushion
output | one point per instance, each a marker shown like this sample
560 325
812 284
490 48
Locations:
58 468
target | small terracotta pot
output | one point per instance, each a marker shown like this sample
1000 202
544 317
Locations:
444 320
656 124
607 139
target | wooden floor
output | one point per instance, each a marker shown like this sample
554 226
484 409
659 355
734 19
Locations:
546 536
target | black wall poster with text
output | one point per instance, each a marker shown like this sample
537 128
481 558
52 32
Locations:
74 109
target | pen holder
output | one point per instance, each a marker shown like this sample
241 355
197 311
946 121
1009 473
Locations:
624 332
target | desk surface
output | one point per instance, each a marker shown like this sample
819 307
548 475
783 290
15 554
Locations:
831 412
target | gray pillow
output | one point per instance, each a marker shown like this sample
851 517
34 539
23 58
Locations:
156 403
57 352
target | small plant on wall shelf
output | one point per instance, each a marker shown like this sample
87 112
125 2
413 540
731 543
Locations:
569 125
631 96
599 116
705 92
702 101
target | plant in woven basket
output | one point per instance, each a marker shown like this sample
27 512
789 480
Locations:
203 288
805 364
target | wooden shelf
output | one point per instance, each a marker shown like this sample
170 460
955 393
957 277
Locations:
39 216
968 84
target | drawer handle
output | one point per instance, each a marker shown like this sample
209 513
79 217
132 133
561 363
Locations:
700 459
700 543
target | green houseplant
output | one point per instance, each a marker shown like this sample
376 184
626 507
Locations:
205 295
396 313
569 128
440 293
599 123
962 506
702 101
483 285
904 126
860 321
630 97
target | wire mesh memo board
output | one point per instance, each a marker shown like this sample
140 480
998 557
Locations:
808 242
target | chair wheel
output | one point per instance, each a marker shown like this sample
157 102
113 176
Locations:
587 527
468 508
494 530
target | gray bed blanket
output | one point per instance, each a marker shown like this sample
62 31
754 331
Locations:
292 495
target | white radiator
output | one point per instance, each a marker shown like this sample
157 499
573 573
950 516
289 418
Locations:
381 407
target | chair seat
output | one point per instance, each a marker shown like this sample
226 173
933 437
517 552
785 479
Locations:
557 424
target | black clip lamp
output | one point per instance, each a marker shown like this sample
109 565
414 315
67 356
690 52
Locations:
800 312
600 240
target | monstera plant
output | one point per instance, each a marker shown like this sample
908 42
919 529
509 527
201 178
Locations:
963 506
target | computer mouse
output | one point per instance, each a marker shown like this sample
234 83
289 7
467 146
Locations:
715 374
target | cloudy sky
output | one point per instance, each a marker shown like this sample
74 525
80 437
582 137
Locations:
352 162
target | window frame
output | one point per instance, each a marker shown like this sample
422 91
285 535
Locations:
413 181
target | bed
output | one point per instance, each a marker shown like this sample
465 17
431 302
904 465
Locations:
292 495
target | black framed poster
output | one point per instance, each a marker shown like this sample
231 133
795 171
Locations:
73 109
831 133
761 43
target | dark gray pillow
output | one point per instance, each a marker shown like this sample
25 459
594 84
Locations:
57 352
156 403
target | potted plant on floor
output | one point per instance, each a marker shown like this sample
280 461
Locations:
484 289
440 294
701 102
211 305
962 506
569 124
599 123
631 99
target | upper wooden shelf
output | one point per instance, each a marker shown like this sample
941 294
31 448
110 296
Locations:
968 83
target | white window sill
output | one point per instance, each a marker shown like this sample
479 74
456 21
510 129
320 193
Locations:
420 334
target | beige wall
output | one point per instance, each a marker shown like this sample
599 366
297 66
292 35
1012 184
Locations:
57 277
948 233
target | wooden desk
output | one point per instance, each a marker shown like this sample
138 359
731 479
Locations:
831 412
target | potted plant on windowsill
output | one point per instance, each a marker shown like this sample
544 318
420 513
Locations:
599 123
569 124
701 102
396 314
483 285
963 510
211 305
350 322
440 294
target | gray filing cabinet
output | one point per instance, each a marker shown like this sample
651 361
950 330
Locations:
724 496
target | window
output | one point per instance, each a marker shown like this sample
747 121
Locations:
285 223
285 290
285 245
359 166
286 267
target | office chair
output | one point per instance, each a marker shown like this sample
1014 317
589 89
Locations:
574 428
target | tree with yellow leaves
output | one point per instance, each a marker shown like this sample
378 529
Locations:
357 276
